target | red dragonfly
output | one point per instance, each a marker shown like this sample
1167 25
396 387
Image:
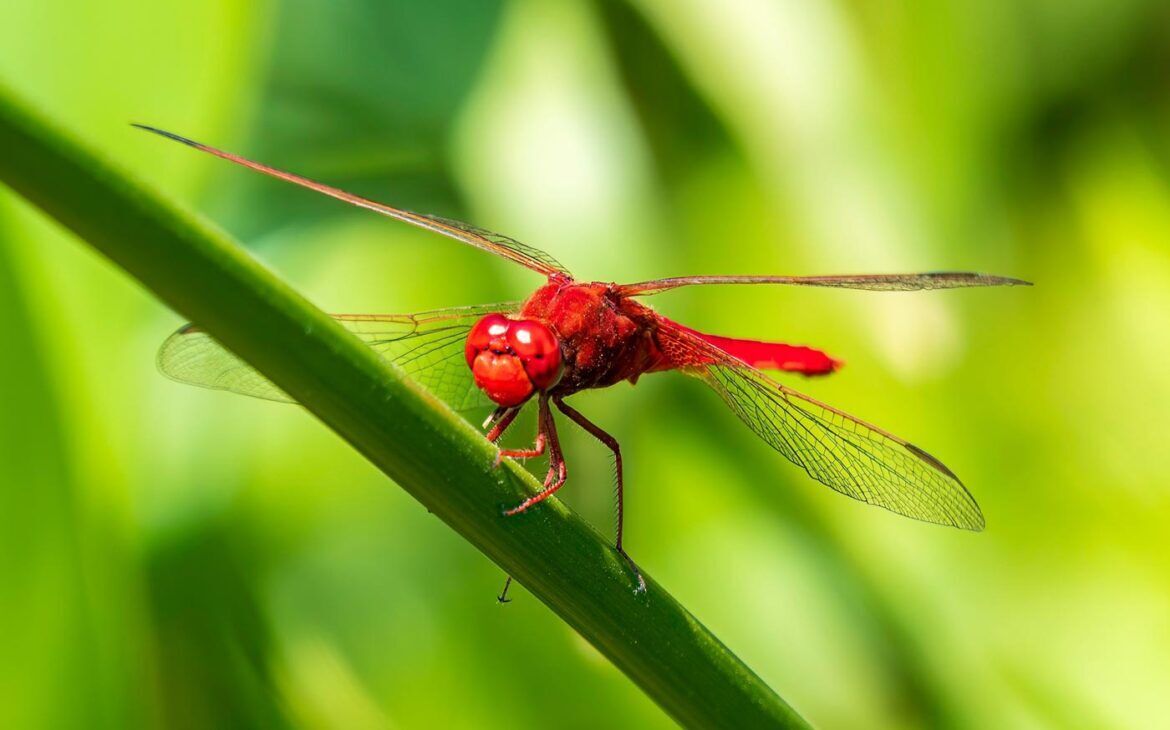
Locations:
570 336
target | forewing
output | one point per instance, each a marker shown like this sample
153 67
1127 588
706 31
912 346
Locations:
846 454
428 346
524 254
866 282
500 245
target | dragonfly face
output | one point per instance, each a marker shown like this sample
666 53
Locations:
512 358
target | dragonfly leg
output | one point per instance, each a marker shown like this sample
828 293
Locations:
613 446
557 471
500 419
503 597
536 450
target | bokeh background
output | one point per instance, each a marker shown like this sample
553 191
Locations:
176 557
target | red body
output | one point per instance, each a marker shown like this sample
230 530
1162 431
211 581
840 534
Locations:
606 337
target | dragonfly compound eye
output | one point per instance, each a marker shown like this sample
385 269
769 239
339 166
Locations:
498 370
488 333
539 351
512 359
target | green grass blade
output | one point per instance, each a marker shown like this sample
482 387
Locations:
416 440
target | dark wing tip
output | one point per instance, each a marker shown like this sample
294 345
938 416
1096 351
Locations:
972 278
168 135
931 461
974 522
1009 281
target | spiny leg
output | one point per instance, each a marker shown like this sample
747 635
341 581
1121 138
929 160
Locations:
556 467
536 450
612 443
545 434
557 472
499 421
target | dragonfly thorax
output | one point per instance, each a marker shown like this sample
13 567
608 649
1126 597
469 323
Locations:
512 358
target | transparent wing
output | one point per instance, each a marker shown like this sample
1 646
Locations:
428 346
846 454
508 248
497 243
866 282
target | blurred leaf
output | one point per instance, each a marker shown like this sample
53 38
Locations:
888 630
214 643
46 653
1126 68
678 124
363 93
1053 704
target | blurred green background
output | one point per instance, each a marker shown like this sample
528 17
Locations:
175 557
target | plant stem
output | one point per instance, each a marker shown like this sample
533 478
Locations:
416 440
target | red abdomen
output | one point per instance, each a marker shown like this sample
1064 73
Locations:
762 355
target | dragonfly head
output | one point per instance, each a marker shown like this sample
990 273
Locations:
513 358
